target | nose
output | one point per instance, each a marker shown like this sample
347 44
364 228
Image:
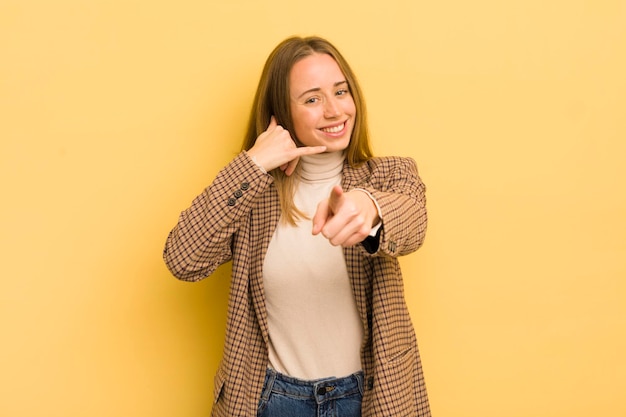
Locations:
331 108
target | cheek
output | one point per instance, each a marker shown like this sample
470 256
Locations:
303 120
299 127
350 107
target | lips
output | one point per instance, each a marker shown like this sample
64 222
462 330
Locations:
334 129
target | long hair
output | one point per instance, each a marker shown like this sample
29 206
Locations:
272 98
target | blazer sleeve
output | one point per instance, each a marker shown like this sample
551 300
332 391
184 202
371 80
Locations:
401 195
201 240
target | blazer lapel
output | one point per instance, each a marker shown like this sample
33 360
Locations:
263 220
358 264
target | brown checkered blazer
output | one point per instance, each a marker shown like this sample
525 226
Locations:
234 219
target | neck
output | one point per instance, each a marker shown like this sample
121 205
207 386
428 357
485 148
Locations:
321 166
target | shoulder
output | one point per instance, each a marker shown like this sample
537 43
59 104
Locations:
390 162
389 166
381 169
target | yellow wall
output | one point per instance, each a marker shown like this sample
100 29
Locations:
115 114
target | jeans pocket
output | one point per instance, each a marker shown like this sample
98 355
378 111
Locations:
266 393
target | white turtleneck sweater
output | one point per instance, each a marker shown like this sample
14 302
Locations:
314 327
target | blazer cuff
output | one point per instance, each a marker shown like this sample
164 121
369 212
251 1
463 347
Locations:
372 243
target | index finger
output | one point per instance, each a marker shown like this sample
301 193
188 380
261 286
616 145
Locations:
335 197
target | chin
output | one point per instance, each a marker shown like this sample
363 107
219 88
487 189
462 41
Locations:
338 144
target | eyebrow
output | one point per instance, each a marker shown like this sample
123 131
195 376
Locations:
337 84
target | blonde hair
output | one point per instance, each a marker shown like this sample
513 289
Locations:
272 99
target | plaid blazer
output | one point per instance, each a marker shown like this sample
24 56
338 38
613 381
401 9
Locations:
234 219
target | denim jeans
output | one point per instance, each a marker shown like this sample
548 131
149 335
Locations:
284 396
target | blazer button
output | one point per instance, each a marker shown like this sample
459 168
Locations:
238 193
392 246
232 201
370 383
245 186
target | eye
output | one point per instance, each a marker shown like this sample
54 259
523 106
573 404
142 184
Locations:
342 92
311 100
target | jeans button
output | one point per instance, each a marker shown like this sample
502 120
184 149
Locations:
324 390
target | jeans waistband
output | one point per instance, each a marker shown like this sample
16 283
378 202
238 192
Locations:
321 390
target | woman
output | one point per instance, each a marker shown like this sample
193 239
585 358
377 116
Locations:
313 224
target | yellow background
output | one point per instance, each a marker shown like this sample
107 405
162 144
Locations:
115 114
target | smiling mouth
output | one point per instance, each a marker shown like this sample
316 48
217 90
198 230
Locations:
334 129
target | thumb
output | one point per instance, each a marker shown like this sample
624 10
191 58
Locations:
273 123
321 215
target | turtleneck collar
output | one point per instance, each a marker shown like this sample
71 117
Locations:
321 166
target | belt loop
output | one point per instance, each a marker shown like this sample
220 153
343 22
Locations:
359 379
270 377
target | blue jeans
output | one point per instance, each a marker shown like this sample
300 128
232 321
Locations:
284 396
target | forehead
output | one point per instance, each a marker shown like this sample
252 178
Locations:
315 71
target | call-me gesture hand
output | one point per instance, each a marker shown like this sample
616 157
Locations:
345 218
275 148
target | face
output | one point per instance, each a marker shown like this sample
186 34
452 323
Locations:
322 108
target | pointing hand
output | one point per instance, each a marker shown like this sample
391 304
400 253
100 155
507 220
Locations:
345 218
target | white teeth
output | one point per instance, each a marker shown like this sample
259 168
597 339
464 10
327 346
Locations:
335 129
